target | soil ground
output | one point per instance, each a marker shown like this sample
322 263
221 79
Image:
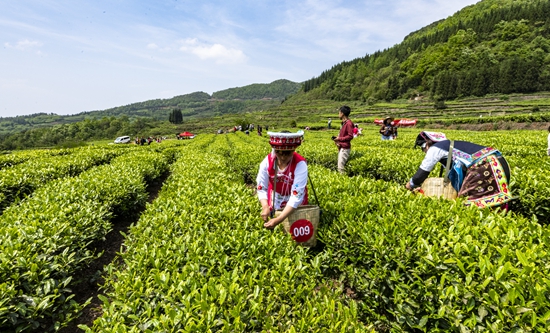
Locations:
91 278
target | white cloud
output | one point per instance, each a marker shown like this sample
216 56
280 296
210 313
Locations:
217 52
335 29
24 45
342 30
428 11
143 46
154 47
13 84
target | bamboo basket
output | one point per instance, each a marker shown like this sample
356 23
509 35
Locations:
437 187
310 213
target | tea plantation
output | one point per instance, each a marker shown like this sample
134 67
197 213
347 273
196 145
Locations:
198 259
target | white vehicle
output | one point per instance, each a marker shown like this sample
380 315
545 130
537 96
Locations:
122 139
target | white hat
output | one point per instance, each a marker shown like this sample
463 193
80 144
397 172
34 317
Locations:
284 140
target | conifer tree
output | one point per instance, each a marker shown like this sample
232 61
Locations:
176 116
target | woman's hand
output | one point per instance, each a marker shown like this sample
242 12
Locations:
266 211
277 220
272 223
413 189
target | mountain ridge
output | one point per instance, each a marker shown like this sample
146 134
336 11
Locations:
252 97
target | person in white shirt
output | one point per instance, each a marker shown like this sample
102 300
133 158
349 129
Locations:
479 173
282 178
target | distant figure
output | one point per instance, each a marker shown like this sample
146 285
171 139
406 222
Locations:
259 130
343 140
387 129
548 150
355 130
329 123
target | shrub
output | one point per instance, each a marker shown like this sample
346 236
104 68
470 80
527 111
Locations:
440 105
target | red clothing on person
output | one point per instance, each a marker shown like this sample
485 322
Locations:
346 135
285 180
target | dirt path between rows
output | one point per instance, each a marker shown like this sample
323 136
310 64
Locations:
91 278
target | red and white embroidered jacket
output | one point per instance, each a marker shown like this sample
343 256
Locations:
291 182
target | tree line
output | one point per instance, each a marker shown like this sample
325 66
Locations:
192 106
68 135
490 47
277 90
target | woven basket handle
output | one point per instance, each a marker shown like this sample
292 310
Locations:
275 186
272 213
449 158
313 188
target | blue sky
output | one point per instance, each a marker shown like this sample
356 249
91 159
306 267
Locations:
70 56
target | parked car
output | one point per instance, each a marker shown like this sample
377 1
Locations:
122 139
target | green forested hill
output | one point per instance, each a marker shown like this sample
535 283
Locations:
275 90
249 98
494 46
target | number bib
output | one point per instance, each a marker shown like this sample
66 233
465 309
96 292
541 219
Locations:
301 230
